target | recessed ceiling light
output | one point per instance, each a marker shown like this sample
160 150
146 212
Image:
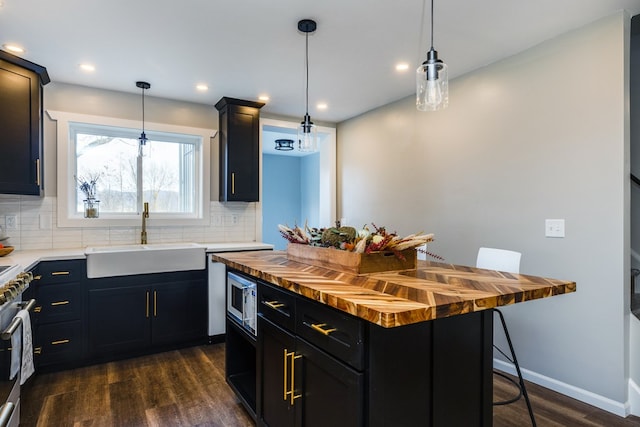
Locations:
13 48
87 67
403 66
321 106
202 87
263 98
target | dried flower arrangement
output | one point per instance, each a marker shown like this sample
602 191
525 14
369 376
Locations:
88 185
358 241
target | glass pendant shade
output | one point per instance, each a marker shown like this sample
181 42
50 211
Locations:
307 135
432 84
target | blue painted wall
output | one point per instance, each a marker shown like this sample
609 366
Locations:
280 196
290 194
310 189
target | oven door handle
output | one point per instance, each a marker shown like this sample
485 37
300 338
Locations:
6 411
13 326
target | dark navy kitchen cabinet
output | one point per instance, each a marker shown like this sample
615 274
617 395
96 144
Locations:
131 315
57 326
239 137
79 321
21 85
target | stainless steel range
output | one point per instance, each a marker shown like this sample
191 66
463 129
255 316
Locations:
13 282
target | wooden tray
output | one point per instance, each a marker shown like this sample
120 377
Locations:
351 262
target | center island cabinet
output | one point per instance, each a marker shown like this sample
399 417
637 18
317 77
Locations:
402 348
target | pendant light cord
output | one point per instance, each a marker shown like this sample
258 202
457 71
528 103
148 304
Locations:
431 24
306 64
142 110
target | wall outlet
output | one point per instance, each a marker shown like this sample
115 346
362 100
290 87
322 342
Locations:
554 228
10 222
45 221
235 220
218 220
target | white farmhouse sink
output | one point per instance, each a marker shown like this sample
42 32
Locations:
125 260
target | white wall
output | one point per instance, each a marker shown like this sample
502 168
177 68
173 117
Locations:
543 134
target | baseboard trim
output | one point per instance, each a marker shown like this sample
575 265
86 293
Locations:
634 398
604 403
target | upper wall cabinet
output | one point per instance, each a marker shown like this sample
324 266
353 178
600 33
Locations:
239 149
21 163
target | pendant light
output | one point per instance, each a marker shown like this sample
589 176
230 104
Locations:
284 144
307 138
143 136
432 86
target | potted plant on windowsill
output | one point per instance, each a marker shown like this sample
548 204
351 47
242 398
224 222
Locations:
88 187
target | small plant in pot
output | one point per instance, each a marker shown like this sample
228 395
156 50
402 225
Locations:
88 186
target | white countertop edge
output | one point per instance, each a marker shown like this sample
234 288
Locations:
28 259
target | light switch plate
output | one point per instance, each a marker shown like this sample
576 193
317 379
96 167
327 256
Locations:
554 228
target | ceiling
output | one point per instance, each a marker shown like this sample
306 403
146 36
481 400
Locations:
246 48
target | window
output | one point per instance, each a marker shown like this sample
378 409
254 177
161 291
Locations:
168 172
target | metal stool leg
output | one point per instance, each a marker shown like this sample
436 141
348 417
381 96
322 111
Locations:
514 360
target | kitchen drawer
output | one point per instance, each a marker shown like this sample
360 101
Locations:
337 333
58 303
60 272
58 343
277 305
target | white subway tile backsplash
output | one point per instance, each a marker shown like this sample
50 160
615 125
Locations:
229 222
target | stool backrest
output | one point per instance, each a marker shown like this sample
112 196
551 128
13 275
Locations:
499 259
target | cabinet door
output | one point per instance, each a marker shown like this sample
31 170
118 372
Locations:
332 392
119 320
179 312
239 137
275 379
243 160
20 107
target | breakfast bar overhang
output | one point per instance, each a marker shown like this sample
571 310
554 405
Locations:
429 334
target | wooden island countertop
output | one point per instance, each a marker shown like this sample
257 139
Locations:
432 291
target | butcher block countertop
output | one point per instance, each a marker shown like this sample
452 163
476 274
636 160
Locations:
432 291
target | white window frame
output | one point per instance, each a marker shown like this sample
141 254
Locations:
66 164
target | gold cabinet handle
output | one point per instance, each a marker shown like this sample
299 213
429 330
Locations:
60 273
293 394
38 309
147 304
38 277
59 303
38 172
320 327
284 374
37 350
233 183
273 304
60 342
155 301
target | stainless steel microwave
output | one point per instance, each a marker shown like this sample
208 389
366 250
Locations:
241 301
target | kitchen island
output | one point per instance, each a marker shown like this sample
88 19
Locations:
400 348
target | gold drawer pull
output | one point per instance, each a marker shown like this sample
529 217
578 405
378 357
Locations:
320 328
37 350
60 342
60 273
38 277
60 303
274 304
38 309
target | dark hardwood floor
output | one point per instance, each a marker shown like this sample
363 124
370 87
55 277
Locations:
187 388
